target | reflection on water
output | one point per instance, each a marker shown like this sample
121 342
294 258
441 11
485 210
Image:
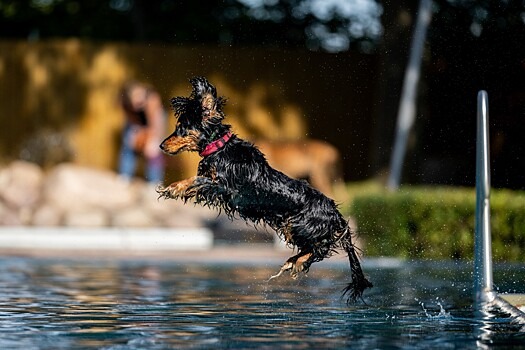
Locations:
68 304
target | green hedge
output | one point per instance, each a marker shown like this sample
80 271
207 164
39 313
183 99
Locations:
436 223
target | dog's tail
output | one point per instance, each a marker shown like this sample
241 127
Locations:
359 283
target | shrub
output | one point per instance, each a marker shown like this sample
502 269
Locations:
437 223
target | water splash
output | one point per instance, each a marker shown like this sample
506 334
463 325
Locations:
442 314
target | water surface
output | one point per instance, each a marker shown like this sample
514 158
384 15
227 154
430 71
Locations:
150 304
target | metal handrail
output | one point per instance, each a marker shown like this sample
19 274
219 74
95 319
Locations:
484 294
483 281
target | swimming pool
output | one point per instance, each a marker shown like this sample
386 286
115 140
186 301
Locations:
49 303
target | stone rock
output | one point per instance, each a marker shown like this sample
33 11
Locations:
175 212
20 184
157 207
94 217
46 215
25 214
239 231
179 220
74 188
133 217
9 217
73 195
188 215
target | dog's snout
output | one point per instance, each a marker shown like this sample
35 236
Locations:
164 146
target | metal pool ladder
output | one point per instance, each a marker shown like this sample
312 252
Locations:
483 282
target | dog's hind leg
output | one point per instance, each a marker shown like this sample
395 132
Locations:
287 266
296 264
302 263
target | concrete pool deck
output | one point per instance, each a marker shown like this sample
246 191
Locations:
105 238
199 245
188 244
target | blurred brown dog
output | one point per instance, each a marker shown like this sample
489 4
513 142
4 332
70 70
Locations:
316 161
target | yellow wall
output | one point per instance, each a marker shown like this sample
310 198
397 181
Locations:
72 86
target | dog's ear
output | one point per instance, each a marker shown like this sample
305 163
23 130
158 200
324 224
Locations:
180 105
206 94
208 102
212 109
201 88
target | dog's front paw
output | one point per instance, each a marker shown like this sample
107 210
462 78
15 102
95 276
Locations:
167 192
181 189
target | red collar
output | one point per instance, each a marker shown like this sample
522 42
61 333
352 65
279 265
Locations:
215 145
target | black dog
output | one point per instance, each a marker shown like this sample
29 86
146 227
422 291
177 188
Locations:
234 176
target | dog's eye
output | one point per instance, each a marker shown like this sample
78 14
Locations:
180 132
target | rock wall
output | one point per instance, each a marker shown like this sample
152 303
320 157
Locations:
72 195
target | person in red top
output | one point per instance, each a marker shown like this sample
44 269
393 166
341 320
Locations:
145 125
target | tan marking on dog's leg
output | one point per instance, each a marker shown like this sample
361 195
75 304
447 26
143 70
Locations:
287 266
298 266
176 189
302 259
288 235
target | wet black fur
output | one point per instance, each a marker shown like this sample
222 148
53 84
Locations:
238 180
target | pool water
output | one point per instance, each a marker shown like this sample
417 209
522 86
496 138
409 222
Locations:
155 304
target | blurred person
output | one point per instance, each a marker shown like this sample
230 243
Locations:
143 131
